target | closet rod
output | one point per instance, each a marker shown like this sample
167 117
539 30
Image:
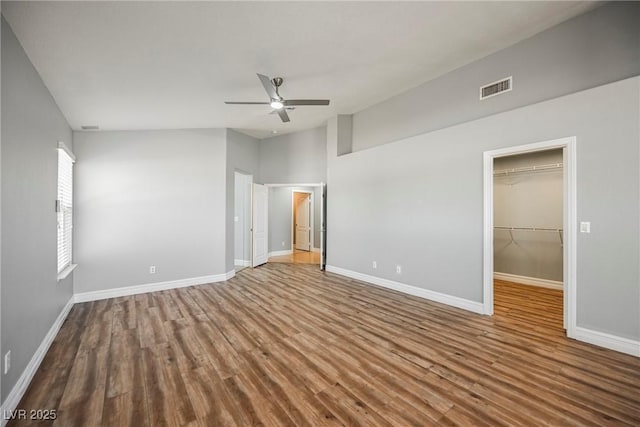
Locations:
552 230
555 230
528 169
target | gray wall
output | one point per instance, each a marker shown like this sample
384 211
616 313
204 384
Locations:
242 156
423 196
280 211
295 158
149 198
599 47
32 126
528 199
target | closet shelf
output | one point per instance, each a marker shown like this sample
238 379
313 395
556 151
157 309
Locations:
537 168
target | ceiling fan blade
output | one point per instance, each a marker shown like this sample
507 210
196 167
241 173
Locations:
246 103
306 102
268 86
283 115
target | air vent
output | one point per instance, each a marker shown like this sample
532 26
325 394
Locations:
496 88
90 127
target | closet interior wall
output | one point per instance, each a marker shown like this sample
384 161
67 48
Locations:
528 204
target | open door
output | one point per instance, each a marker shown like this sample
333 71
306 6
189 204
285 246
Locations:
302 220
259 225
323 227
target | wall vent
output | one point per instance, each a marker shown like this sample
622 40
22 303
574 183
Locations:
496 88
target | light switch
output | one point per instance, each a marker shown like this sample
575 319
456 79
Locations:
236 218
585 227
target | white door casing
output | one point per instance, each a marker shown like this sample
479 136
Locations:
568 145
323 229
259 225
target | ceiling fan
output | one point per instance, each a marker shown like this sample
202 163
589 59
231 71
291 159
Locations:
277 102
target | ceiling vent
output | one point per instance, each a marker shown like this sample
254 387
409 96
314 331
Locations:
90 127
496 88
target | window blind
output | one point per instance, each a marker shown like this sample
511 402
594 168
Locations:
65 208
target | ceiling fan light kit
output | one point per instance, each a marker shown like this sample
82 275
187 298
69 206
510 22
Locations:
277 102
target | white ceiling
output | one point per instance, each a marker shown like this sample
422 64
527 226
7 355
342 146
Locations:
161 65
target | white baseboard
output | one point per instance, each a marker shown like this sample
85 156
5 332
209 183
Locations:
18 390
152 287
242 263
526 280
476 307
602 339
280 253
317 250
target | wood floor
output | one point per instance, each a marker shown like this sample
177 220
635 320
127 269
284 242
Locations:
534 306
286 344
298 257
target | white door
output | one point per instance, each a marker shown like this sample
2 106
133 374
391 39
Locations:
259 225
303 222
323 227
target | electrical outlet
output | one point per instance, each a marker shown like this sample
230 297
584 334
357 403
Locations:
7 362
398 269
152 269
375 264
283 244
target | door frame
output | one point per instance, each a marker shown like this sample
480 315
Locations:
311 219
323 219
569 223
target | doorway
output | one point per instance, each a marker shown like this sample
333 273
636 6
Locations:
297 229
528 239
549 235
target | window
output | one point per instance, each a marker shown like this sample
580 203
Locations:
64 208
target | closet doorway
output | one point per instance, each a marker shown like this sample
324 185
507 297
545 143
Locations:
529 235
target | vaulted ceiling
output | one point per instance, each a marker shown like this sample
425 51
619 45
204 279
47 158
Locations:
160 65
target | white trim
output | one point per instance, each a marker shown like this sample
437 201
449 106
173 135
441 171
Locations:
458 302
242 263
66 271
62 146
152 287
568 144
602 339
18 390
317 250
530 281
281 253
